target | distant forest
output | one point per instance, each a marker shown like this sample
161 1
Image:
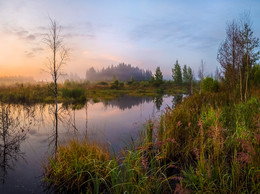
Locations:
122 72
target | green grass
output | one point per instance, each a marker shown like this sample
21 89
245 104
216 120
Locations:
88 167
79 92
209 143
78 166
217 143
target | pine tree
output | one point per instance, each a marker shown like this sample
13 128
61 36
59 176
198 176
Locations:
158 76
185 74
176 74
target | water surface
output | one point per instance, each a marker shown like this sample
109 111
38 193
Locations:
27 133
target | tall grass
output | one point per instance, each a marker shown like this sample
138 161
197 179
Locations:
217 143
78 166
208 143
88 167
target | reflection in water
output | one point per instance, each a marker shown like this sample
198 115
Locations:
66 116
13 130
127 102
63 115
158 102
113 122
176 99
86 108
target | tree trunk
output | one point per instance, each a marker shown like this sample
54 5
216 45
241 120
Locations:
247 72
241 83
56 88
191 87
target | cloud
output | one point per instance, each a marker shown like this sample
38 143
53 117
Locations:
72 30
42 28
156 31
33 51
29 54
21 33
30 37
73 35
179 32
37 49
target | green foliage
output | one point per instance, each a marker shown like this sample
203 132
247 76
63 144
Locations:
187 74
214 155
177 74
73 95
115 84
87 167
21 93
158 77
102 83
209 85
131 81
255 76
77 167
208 143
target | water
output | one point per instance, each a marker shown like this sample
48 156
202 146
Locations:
27 133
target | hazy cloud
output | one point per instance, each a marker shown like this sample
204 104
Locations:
72 30
29 54
30 37
181 33
22 33
42 28
37 49
72 35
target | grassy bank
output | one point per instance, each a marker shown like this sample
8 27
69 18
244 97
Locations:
78 92
208 143
88 167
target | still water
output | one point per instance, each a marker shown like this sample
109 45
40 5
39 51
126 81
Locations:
27 133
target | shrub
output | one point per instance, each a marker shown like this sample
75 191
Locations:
209 85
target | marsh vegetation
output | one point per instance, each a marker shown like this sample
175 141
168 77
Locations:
183 135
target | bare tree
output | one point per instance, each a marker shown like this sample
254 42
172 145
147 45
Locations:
217 74
201 72
230 56
237 54
58 58
249 43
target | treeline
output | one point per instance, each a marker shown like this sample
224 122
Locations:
122 72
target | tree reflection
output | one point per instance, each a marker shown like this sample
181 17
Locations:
86 108
66 116
127 102
177 98
14 125
158 100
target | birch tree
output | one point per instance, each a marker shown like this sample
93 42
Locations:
57 59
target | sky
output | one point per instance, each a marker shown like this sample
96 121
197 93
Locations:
143 33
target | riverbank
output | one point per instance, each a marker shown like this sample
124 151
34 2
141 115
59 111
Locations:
79 92
208 143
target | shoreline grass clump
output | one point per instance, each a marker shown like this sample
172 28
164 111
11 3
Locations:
77 167
87 167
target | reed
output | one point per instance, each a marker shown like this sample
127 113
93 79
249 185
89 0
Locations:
209 143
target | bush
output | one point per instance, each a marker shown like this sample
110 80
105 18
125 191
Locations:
102 83
76 94
209 85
